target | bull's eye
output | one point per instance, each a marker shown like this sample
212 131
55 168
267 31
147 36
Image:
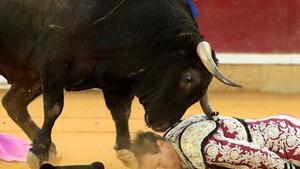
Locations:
189 79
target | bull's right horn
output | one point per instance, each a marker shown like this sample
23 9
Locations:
204 53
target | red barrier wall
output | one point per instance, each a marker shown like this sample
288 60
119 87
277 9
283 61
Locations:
267 26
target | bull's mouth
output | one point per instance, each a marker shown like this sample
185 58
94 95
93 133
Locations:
160 127
157 126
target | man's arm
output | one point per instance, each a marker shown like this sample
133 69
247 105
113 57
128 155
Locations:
231 153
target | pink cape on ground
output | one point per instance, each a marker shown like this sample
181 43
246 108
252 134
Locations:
13 148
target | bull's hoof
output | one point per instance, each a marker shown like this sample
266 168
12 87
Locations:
116 147
128 158
52 149
54 157
33 161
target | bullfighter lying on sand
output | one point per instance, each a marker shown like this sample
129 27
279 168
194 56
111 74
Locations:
196 143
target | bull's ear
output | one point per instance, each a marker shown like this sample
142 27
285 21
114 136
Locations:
186 41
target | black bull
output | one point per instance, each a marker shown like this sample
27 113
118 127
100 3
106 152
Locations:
150 49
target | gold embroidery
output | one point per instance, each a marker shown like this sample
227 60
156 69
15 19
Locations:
192 138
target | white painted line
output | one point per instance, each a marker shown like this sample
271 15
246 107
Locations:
252 58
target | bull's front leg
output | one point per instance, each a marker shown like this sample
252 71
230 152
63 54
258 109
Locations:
53 84
119 103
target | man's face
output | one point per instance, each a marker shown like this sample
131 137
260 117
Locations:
166 158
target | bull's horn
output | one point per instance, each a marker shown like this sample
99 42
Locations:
204 53
204 102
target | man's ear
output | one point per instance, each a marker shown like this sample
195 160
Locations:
161 143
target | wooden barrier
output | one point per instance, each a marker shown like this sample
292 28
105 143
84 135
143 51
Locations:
268 26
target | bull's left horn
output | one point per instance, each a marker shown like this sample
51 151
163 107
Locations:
205 105
204 53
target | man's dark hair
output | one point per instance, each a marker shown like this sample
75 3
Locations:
145 142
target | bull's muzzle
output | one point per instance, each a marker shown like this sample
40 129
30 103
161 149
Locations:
156 125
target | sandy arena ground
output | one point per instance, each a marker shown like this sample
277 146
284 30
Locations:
85 131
